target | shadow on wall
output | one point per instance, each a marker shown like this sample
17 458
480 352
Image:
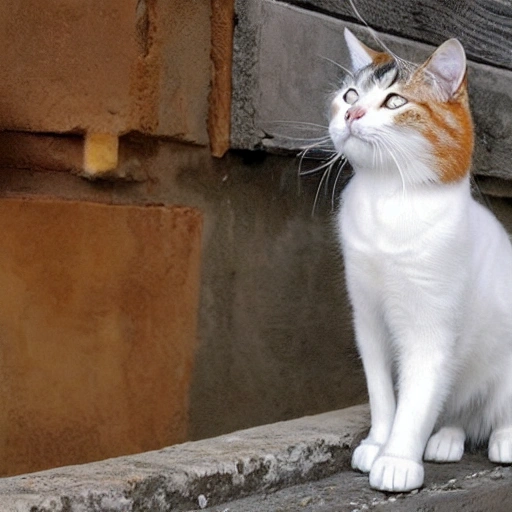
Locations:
276 332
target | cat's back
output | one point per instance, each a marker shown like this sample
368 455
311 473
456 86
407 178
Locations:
491 257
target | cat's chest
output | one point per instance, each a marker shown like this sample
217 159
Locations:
399 224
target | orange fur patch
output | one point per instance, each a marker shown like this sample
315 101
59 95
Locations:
380 58
446 125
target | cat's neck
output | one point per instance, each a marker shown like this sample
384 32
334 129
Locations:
394 167
403 183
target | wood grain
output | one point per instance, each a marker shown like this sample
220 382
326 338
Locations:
484 27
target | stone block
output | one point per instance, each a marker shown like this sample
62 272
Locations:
480 27
98 307
106 67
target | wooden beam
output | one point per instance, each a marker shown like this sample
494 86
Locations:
219 116
484 27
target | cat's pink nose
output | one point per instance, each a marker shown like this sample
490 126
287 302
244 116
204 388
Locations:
354 113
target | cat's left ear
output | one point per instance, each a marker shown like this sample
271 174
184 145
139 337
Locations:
447 67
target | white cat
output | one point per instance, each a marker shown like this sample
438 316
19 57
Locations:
428 269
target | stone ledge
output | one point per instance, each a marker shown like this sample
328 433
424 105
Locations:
183 477
295 465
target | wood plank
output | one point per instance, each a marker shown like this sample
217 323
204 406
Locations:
484 27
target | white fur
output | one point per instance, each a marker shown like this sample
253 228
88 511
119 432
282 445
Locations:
429 274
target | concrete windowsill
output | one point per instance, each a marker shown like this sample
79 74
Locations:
309 456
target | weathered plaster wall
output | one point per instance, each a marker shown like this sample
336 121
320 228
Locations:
275 338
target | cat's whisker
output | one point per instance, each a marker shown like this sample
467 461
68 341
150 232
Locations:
313 140
343 163
304 137
324 181
321 143
298 124
401 161
393 156
408 157
317 194
315 153
315 170
338 65
304 155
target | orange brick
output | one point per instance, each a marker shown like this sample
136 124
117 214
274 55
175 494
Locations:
98 308
108 67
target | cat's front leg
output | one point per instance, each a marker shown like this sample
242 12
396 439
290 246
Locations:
372 342
500 445
446 445
423 384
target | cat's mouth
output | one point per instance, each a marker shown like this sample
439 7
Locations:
355 130
339 138
347 135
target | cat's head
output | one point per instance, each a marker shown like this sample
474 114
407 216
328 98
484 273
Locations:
391 115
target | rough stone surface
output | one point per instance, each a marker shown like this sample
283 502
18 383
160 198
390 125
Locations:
473 485
98 322
245 80
289 466
176 478
284 74
481 27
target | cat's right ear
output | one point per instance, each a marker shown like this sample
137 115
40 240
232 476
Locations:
447 68
360 55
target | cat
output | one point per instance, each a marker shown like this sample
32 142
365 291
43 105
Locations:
428 269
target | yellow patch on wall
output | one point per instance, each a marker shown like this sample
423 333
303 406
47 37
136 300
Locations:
100 152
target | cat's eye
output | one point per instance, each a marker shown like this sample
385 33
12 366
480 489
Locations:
351 96
394 101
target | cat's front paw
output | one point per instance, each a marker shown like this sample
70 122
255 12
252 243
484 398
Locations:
447 445
395 474
500 446
364 456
